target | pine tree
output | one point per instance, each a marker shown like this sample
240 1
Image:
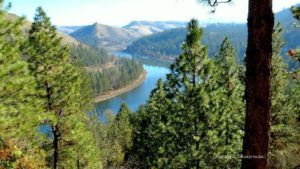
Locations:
283 127
279 82
258 84
122 122
18 120
192 83
16 84
230 111
153 134
113 137
59 86
292 156
184 113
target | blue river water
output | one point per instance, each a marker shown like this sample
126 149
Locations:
137 96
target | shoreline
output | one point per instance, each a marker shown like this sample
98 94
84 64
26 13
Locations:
127 88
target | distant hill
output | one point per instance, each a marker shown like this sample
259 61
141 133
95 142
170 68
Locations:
99 35
68 29
116 38
287 21
167 44
26 27
150 27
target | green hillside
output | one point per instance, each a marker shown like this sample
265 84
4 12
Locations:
167 44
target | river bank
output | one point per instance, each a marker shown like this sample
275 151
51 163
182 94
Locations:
122 90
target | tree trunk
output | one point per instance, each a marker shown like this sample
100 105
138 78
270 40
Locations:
55 147
258 79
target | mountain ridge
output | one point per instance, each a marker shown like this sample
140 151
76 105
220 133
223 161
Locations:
101 35
68 40
167 44
118 38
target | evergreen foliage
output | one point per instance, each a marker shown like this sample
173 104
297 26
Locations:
196 117
230 124
16 84
113 137
121 74
18 119
168 43
284 137
89 56
153 136
59 88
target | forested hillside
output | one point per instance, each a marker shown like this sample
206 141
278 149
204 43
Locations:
106 73
121 73
168 44
89 56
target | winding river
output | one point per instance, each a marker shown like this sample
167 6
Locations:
137 96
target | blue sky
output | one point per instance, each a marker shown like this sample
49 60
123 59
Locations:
121 12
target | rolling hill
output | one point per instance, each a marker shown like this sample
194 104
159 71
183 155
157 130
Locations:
167 44
109 37
116 38
68 40
150 27
68 29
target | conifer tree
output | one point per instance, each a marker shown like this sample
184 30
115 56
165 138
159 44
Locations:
230 112
279 80
16 84
191 81
184 114
59 86
18 107
283 128
120 136
153 134
122 122
258 84
113 137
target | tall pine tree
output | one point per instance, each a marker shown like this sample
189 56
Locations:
153 134
16 84
283 127
230 111
59 86
18 107
182 110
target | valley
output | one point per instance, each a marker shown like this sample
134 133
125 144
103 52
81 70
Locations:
161 42
149 84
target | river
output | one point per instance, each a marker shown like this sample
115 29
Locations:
137 96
